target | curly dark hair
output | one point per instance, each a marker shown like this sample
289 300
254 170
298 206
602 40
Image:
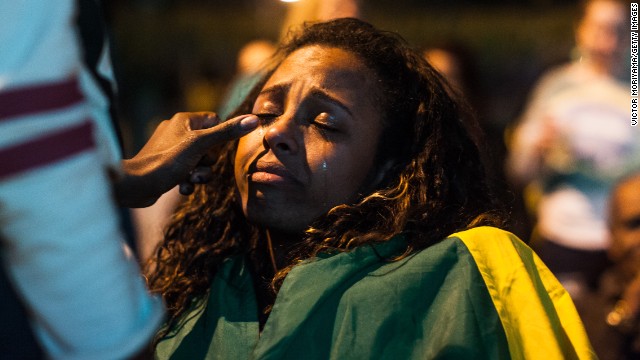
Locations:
435 186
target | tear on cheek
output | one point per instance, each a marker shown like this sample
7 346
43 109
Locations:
324 169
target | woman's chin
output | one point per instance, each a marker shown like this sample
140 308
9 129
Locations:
276 221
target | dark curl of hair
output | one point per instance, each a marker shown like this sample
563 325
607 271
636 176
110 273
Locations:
434 183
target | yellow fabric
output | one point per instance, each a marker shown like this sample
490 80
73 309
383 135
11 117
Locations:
527 300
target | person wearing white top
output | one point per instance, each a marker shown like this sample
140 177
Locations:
61 177
574 141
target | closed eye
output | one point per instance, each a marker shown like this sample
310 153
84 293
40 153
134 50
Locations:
323 126
325 122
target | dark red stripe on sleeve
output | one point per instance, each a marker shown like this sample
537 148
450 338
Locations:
46 149
39 98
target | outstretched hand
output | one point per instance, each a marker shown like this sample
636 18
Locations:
176 154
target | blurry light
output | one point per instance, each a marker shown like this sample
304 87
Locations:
289 0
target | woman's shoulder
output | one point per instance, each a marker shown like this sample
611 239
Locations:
487 238
488 253
497 252
488 233
482 241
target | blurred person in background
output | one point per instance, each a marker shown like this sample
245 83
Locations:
611 314
454 62
456 65
251 60
68 287
573 142
319 10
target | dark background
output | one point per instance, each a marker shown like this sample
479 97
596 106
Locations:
163 47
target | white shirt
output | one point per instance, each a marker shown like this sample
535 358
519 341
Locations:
62 244
594 145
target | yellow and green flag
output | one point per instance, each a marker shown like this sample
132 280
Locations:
479 294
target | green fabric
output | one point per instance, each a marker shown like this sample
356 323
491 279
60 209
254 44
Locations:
226 328
431 305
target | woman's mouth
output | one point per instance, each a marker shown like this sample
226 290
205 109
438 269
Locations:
272 174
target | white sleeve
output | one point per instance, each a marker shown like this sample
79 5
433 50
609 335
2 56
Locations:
61 241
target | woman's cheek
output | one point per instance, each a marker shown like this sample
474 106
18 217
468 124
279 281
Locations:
247 146
241 160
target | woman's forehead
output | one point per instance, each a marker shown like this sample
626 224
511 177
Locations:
329 68
325 63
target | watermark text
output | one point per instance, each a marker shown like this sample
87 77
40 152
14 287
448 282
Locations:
634 64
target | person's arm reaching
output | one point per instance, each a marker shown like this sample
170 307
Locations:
61 241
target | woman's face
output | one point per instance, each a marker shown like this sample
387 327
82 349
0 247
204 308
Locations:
317 141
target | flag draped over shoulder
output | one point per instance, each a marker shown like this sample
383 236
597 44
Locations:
479 294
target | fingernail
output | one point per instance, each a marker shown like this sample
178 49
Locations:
249 122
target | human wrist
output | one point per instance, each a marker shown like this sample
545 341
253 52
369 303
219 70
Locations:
132 189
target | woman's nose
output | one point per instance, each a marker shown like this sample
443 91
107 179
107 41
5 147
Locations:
280 137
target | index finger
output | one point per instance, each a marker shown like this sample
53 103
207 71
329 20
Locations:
228 130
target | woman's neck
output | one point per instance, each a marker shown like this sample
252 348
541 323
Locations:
269 255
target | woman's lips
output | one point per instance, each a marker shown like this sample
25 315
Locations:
266 177
268 173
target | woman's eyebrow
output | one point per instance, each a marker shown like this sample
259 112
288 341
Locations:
317 93
320 94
